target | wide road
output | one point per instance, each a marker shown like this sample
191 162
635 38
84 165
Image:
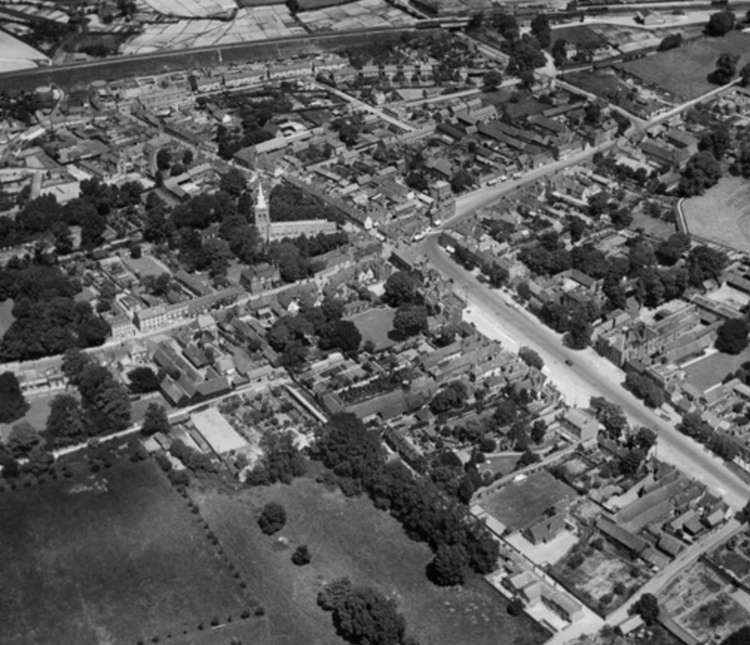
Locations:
588 375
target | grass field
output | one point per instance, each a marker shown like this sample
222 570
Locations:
374 325
714 368
683 72
349 537
37 413
106 559
722 214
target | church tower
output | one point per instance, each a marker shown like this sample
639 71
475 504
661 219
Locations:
262 216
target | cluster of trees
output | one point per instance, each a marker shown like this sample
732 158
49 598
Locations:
525 51
281 462
741 165
292 335
254 115
104 405
288 203
43 215
24 442
363 615
356 457
701 172
155 420
296 257
47 318
693 426
647 607
644 388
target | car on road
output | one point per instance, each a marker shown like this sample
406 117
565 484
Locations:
516 175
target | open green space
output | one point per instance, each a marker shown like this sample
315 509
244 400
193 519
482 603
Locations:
111 557
37 413
374 325
722 214
349 537
683 72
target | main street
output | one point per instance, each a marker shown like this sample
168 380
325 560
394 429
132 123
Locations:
588 374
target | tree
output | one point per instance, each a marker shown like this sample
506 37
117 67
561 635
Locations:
365 616
716 140
163 159
272 518
610 416
647 607
740 637
410 320
720 23
12 403
233 182
341 334
65 422
541 30
530 357
281 461
726 68
497 275
348 448
538 430
143 379
745 75
155 420
705 263
402 288
645 438
528 458
40 460
448 566
701 172
560 52
492 80
731 337
451 397
644 388
301 555
22 438
672 249
73 363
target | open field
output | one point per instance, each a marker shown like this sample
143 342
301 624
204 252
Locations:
683 72
108 558
722 214
713 369
374 325
259 23
349 537
355 15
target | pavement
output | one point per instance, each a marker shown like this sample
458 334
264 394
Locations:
586 374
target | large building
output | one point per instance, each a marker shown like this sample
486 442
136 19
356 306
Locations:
270 231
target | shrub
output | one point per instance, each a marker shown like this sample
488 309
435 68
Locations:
272 519
515 607
301 555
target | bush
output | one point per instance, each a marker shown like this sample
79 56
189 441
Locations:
301 555
515 607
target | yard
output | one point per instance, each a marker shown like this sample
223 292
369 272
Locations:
37 413
683 72
714 368
111 557
598 576
349 537
722 214
374 325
